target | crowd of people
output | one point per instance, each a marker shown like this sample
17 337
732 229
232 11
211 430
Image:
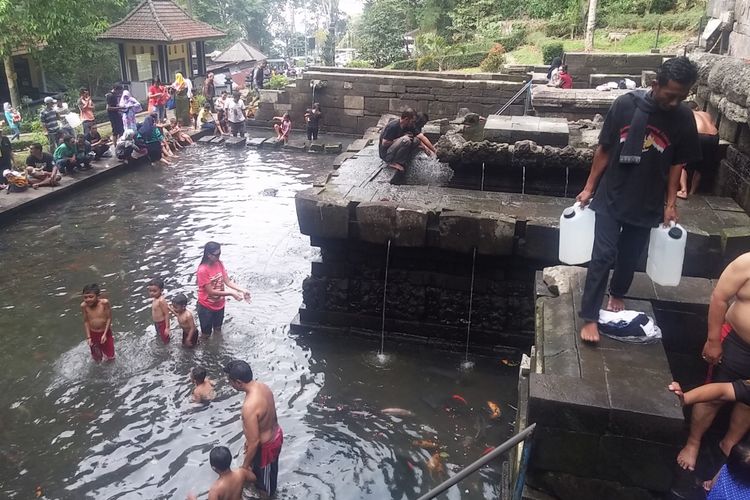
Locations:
263 435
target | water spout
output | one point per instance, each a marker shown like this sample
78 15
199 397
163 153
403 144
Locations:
381 353
567 174
481 186
466 364
523 181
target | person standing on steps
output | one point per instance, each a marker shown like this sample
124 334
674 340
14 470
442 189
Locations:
647 137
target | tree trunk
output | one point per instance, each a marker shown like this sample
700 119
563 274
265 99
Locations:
10 75
590 24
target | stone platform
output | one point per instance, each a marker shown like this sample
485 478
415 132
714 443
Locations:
604 415
573 104
543 131
362 202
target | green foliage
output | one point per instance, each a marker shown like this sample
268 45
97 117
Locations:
552 50
278 82
674 21
451 62
495 59
427 63
381 29
514 39
359 63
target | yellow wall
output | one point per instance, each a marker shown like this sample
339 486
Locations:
175 52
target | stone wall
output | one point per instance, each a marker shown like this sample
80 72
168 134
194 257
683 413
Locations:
581 65
723 90
353 100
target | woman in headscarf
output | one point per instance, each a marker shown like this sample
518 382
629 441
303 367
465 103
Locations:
554 67
130 107
127 149
183 92
10 117
152 137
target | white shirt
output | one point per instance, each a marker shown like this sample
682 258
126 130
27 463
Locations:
235 111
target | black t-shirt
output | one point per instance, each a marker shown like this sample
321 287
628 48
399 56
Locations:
313 118
635 193
390 132
6 153
46 162
113 100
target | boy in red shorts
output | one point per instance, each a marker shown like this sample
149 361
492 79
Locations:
159 308
97 323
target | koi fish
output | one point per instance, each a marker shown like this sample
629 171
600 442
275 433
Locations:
487 450
397 412
426 444
508 362
435 465
459 399
495 411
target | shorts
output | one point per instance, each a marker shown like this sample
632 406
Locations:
118 128
266 463
735 361
709 147
163 330
209 319
101 351
186 339
741 391
237 128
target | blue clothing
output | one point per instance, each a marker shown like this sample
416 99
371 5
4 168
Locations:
728 488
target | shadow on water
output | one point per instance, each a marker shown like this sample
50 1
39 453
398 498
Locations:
127 429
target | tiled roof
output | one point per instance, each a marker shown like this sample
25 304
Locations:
160 21
240 51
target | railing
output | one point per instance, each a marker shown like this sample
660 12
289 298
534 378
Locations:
478 464
527 99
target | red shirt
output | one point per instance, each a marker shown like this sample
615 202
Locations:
566 81
216 275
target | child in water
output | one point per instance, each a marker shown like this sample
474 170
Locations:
159 308
204 387
97 323
231 482
185 320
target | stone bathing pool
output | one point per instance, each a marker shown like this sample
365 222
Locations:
127 430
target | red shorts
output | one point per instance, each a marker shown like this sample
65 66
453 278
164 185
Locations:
99 351
162 328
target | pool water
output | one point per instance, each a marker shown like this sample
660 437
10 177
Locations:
127 429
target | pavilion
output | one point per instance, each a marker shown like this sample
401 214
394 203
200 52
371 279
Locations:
158 38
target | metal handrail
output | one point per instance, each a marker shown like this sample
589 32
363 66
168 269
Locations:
523 89
478 464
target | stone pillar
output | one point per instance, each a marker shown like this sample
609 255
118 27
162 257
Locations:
123 62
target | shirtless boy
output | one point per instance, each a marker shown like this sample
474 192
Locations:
159 308
185 320
231 482
97 323
263 436
709 139
730 357
204 387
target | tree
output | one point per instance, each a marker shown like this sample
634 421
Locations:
590 25
380 30
33 24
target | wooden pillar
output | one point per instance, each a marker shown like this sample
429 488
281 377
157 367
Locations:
163 63
200 51
189 70
123 62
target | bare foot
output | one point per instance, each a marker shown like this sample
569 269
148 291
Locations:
707 485
396 166
590 332
688 456
615 304
677 391
682 195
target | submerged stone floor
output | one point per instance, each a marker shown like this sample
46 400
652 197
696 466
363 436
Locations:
362 200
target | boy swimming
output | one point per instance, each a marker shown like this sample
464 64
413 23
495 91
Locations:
159 308
185 320
97 323
204 387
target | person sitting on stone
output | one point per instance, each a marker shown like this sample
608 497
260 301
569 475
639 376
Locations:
206 120
283 128
566 81
41 166
84 153
99 145
16 182
179 134
397 146
65 156
128 149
